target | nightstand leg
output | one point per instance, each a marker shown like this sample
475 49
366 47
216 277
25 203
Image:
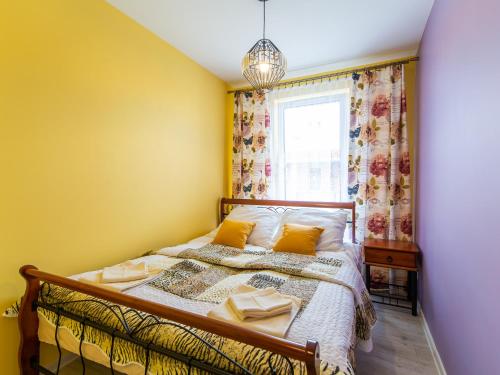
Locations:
368 280
413 291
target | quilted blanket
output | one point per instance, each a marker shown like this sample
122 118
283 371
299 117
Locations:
204 275
210 274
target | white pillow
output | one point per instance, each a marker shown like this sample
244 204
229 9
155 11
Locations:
333 223
266 224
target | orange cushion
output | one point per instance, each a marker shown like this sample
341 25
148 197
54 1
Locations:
233 233
299 239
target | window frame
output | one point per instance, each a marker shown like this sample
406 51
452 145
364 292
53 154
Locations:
278 135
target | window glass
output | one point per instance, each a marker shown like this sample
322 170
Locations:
311 147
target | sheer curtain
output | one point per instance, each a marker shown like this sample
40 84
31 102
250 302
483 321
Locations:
309 141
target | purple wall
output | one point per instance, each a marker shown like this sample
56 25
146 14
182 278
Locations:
458 183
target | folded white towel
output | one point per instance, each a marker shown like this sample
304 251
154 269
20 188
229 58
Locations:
277 325
259 303
127 271
122 276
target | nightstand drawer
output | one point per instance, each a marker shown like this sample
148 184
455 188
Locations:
390 258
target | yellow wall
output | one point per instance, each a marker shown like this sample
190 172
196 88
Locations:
410 76
111 143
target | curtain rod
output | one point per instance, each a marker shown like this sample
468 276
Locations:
335 74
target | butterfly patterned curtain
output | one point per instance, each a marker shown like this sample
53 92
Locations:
251 165
379 158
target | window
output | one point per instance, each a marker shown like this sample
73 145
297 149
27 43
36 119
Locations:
309 148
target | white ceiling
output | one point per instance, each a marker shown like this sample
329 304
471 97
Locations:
314 35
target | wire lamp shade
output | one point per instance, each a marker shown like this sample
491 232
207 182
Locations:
264 65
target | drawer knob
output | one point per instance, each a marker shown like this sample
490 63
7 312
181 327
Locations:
389 259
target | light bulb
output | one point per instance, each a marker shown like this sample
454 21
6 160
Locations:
264 67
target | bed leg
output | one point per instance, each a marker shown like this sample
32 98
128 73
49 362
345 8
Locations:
313 360
29 347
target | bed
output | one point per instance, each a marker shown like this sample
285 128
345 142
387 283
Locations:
159 325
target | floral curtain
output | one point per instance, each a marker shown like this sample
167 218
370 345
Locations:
251 165
379 159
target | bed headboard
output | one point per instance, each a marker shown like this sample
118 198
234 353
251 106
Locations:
225 202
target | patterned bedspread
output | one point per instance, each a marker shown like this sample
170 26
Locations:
212 272
207 276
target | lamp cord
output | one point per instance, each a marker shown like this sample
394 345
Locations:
264 24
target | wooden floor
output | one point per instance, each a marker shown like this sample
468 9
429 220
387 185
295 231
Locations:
400 348
74 368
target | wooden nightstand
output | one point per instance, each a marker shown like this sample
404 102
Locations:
395 255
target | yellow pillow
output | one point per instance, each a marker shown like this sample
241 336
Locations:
300 239
233 233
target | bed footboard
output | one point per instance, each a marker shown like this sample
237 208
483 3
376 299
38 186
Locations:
29 347
29 356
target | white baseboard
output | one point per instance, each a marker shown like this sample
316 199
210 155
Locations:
432 345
